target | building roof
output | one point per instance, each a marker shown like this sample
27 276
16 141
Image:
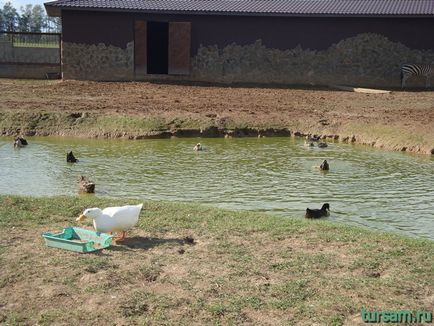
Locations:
254 7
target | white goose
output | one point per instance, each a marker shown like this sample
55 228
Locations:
113 219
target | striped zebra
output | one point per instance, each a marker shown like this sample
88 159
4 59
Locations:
407 70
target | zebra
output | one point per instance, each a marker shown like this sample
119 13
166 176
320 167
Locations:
426 70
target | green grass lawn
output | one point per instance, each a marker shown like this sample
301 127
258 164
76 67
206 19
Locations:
36 45
243 268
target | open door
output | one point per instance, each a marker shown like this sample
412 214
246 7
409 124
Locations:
179 48
162 48
158 47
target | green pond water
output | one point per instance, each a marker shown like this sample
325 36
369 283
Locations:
379 189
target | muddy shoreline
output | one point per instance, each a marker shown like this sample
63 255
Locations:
401 121
214 132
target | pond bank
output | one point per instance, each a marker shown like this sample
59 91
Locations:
398 120
242 268
91 125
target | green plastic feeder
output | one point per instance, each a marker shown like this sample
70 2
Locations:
78 239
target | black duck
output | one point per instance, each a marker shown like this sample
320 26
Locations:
324 166
317 213
20 142
70 158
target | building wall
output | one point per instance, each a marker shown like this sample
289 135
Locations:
28 71
290 50
369 60
9 53
97 46
27 62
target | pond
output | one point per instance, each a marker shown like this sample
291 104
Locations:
379 189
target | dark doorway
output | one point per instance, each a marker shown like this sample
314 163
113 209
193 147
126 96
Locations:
158 47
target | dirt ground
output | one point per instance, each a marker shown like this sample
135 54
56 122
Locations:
398 120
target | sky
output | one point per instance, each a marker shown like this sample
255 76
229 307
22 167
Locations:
19 3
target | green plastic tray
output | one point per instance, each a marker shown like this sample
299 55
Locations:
78 239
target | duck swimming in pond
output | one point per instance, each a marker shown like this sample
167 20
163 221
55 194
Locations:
308 142
70 158
324 166
317 213
198 147
86 185
322 145
20 142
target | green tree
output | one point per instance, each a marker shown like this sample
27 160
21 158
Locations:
54 24
38 18
1 20
10 17
25 18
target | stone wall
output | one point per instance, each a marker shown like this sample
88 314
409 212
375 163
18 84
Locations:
369 60
97 62
364 60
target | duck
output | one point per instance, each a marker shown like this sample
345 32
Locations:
324 166
317 213
322 145
113 219
86 185
20 142
308 142
70 158
198 147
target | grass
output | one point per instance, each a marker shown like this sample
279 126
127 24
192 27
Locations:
37 45
243 268
390 137
97 124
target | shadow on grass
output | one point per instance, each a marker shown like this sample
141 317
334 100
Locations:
146 243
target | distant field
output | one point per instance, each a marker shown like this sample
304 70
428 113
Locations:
36 45
51 41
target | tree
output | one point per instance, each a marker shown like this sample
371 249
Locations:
54 24
31 19
38 18
1 20
10 17
25 18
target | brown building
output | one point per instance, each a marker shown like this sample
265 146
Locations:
353 42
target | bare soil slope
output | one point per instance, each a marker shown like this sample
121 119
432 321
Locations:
398 120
